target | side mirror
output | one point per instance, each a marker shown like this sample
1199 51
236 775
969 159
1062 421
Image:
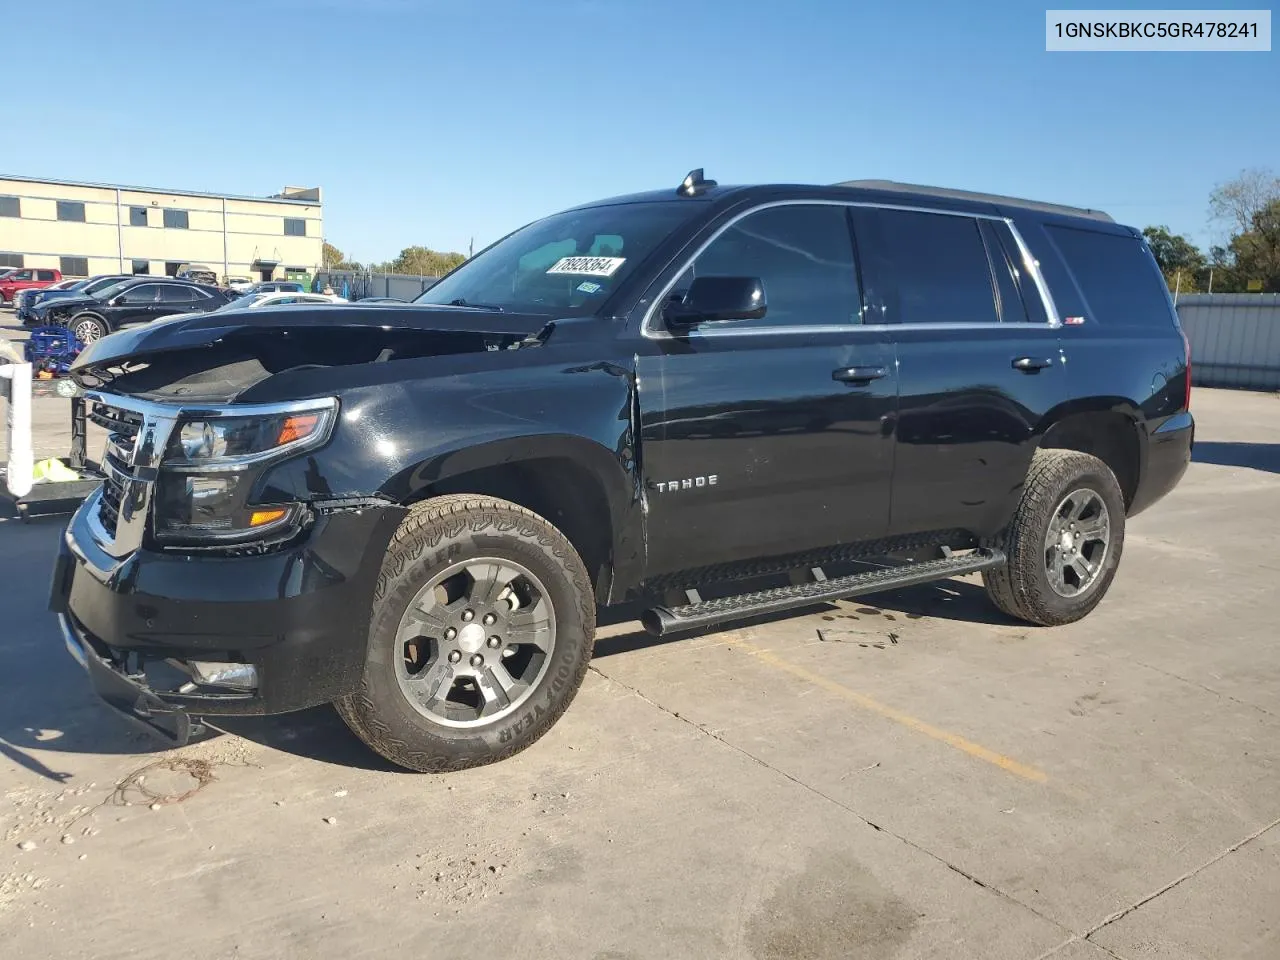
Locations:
718 298
117 300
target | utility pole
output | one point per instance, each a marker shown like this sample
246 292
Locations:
471 248
1211 279
1177 285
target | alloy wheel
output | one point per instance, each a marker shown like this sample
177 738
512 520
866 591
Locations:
474 642
1077 542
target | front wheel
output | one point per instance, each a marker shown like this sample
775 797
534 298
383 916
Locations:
88 328
481 631
1063 543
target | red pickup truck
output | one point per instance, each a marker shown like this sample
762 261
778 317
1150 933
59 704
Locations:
26 278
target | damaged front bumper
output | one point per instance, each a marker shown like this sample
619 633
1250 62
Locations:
167 637
129 694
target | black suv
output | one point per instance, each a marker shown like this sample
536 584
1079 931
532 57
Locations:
716 401
91 316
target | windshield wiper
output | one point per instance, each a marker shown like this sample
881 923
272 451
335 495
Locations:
460 302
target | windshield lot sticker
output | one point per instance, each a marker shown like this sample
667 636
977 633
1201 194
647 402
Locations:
589 286
588 266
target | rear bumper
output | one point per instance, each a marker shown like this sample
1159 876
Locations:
1165 459
298 616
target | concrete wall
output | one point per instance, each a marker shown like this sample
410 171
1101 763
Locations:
1235 339
226 233
400 286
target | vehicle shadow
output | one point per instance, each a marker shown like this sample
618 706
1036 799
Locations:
49 708
1258 456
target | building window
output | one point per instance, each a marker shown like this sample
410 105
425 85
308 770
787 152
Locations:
10 260
170 268
137 216
141 267
295 227
74 266
71 210
10 207
175 220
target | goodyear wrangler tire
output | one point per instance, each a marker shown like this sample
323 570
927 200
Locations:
481 632
1063 543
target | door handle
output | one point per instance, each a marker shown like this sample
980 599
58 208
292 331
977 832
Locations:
1031 364
859 374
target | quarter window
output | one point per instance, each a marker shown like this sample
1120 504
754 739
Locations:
1118 277
175 219
10 207
925 267
137 216
46 276
71 210
74 266
295 227
803 255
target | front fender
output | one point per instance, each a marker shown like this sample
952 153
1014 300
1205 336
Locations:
398 440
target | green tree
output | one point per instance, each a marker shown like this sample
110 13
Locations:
423 261
1180 260
1248 207
1256 251
335 259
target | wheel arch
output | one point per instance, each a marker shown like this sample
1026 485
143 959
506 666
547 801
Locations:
576 484
1107 428
92 314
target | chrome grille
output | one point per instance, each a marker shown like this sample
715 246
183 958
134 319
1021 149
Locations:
116 460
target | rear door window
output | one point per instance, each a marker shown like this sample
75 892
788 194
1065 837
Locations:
173 294
143 293
1117 276
925 267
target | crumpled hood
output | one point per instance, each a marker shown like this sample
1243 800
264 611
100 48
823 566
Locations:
137 343
73 300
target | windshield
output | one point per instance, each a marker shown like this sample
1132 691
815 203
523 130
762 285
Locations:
107 292
93 286
566 264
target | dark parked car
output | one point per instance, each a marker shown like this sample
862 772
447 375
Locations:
135 300
718 402
26 310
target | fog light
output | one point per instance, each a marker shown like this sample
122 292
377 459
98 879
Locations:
236 676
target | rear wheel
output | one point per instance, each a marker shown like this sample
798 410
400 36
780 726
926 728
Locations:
88 328
1064 542
481 632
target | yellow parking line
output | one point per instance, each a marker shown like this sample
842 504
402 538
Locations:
897 716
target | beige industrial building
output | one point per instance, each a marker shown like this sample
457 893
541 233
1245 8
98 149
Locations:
84 229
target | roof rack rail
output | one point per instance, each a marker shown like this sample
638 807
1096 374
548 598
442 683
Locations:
947 193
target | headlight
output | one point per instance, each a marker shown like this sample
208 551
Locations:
232 442
208 474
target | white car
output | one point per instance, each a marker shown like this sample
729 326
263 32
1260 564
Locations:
240 284
254 301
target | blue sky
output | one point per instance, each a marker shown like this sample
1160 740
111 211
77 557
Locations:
430 122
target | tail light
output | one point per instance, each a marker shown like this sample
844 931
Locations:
1186 403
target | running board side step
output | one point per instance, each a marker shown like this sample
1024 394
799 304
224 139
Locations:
692 616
